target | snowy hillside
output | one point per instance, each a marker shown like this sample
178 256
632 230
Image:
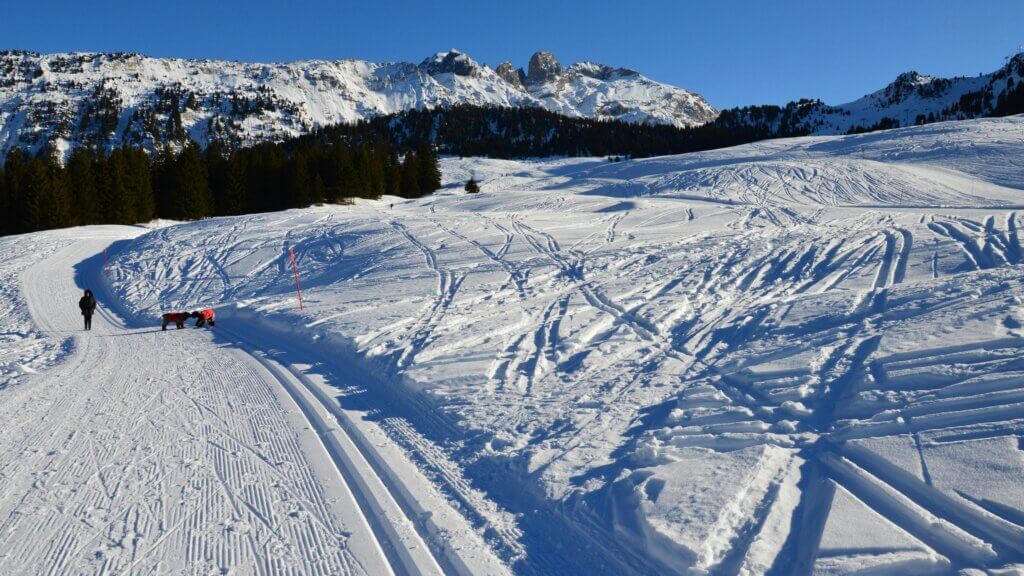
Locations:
796 356
911 99
68 100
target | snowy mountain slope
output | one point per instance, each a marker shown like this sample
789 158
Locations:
798 356
911 99
69 100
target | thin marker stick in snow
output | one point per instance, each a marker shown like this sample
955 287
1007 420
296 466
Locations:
106 257
295 270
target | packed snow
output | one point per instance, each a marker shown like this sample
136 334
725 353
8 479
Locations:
697 357
795 356
145 451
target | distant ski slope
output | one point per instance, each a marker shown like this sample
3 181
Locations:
798 356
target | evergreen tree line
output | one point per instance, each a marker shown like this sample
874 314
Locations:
501 132
127 186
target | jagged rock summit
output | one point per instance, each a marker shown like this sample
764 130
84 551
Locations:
451 62
544 67
102 100
509 73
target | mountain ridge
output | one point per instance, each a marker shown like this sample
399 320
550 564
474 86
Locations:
105 100
911 99
60 102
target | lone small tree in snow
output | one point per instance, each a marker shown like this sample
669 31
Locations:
472 187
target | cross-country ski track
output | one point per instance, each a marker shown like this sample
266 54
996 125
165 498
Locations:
147 451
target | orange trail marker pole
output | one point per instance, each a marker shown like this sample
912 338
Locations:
295 270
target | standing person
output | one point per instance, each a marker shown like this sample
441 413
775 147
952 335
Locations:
88 305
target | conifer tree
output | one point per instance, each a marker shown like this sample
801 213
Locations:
215 165
339 168
372 174
393 173
163 182
410 187
82 180
356 183
140 185
235 197
192 197
58 202
298 183
14 175
472 187
429 171
115 203
36 196
318 191
125 186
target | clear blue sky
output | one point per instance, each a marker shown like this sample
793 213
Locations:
734 53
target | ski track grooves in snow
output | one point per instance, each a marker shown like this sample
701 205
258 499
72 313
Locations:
348 525
375 497
689 384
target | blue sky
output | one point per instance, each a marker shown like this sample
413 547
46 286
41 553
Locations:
734 53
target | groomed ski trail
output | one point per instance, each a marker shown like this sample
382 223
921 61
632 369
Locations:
165 452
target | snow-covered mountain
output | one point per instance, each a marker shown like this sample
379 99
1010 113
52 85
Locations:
69 100
911 99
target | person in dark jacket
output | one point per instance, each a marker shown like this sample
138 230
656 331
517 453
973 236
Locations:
87 304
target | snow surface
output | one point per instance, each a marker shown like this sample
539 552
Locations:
796 356
146 451
792 356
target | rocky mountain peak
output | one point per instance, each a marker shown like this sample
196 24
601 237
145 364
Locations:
911 78
509 73
910 83
450 62
1015 64
600 71
544 67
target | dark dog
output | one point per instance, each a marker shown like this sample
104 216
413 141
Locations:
178 318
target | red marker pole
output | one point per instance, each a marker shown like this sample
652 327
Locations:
295 270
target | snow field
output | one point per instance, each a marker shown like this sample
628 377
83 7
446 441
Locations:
798 356
153 451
